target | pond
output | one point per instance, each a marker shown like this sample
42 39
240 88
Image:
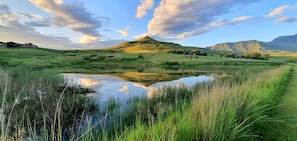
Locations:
107 86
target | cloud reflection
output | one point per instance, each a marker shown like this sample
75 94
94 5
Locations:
107 86
124 89
88 82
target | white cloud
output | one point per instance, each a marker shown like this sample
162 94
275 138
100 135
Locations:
183 18
279 14
73 16
279 10
137 37
58 1
88 39
241 19
124 32
143 7
286 19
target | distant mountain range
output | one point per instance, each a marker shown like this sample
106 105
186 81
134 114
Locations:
282 43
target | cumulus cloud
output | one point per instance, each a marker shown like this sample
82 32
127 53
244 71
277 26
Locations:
12 23
73 16
173 18
143 7
88 39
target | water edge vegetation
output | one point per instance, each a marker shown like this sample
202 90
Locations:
235 108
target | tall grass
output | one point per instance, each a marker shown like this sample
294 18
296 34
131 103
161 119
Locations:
234 109
231 109
39 105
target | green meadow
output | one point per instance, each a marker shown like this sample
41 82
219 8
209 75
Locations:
37 104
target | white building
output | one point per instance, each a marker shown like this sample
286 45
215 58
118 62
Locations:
3 45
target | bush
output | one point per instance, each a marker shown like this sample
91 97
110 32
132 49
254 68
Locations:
140 57
174 63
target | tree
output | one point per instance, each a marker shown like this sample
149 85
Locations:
140 57
246 55
255 55
180 51
231 55
195 52
221 54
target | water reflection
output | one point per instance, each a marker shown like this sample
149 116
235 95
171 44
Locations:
106 86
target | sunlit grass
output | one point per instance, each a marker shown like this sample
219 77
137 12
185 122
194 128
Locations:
230 110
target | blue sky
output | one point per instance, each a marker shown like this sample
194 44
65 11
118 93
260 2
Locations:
93 24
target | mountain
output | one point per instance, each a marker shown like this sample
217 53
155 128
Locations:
144 45
286 40
282 43
243 46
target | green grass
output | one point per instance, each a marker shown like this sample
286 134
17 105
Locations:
284 126
228 111
97 61
39 105
233 109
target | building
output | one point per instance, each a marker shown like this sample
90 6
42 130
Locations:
3 45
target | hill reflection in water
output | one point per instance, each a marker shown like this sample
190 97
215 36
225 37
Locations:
107 86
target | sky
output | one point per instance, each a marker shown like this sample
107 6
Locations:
95 24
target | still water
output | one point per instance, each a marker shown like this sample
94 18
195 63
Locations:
107 86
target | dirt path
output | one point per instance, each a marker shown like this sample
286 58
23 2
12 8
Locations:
286 128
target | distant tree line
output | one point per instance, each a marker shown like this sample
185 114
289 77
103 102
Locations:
246 55
181 51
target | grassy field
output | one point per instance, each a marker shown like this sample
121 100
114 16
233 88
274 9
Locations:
236 107
100 60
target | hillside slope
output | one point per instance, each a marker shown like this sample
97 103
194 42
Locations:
282 43
243 46
144 45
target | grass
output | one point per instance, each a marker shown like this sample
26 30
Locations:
285 121
96 61
39 105
228 111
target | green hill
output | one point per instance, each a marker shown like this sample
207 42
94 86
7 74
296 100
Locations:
145 45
